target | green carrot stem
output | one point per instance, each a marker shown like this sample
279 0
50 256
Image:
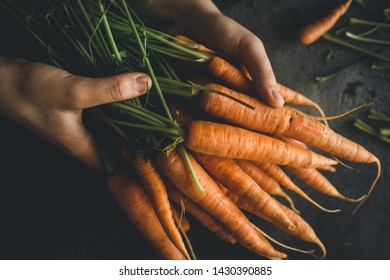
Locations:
191 169
169 132
199 57
367 22
80 24
136 113
154 118
367 40
341 42
380 66
359 124
384 131
109 33
99 38
375 115
147 62
75 43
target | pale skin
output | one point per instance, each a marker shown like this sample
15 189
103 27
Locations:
50 101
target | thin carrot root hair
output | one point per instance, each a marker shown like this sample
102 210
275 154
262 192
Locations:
314 179
179 215
273 240
303 231
183 226
378 164
344 113
281 177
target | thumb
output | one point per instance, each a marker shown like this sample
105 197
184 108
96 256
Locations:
90 92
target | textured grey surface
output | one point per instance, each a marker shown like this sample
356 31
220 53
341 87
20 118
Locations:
55 208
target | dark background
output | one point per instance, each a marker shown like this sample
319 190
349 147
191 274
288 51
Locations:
53 207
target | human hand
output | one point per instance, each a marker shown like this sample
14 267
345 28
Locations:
202 21
50 102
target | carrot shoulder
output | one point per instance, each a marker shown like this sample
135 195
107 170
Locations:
213 200
314 31
137 206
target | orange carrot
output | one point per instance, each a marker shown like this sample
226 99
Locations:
313 178
294 97
314 31
230 75
200 214
266 182
179 114
135 203
281 177
303 231
234 142
240 80
282 121
174 167
229 173
191 44
155 188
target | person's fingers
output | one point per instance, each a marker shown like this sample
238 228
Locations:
89 92
232 39
251 53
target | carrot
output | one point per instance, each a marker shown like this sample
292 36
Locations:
303 231
313 178
314 31
200 214
234 142
180 114
294 97
266 182
230 75
137 206
155 188
229 173
213 201
286 122
281 177
191 44
240 80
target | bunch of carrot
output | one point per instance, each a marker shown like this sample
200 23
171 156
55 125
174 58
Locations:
235 154
208 147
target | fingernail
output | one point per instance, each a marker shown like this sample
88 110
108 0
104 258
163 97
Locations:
143 83
279 101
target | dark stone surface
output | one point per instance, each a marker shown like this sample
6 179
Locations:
55 208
